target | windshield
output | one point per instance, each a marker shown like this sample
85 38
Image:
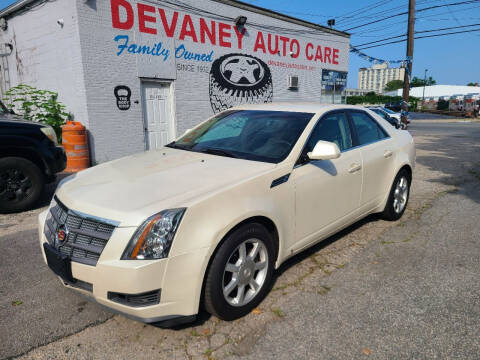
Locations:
388 111
267 136
378 111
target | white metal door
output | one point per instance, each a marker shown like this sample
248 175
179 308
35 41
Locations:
158 110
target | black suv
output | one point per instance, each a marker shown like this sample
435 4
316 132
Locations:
29 158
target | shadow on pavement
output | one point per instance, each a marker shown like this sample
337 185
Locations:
447 152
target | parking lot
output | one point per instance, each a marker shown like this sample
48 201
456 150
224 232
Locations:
378 289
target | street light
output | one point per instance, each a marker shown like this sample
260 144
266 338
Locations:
424 84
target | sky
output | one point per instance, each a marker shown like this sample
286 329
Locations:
450 60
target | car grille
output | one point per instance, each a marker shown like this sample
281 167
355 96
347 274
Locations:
84 237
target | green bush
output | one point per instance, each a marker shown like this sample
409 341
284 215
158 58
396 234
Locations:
37 105
374 99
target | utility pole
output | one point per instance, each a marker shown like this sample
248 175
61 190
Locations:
408 70
424 84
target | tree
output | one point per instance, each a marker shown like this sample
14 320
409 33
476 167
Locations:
37 105
394 85
417 82
472 84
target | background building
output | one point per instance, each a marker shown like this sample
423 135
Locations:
438 90
138 74
377 76
356 92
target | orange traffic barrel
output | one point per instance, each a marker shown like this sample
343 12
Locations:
75 142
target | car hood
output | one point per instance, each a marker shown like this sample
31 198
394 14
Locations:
130 189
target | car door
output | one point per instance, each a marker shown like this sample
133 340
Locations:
326 191
378 153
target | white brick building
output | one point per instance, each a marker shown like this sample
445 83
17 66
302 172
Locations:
139 73
376 77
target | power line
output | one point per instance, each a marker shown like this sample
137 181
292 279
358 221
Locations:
377 41
360 10
416 32
406 12
421 37
447 28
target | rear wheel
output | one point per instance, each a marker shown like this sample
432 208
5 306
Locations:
241 272
21 184
398 198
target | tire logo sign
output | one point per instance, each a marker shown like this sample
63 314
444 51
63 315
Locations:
242 70
237 79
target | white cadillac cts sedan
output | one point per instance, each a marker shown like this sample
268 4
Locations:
206 220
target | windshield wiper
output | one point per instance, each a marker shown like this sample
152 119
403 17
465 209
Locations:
220 152
174 145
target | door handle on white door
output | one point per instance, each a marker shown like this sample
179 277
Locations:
387 154
354 168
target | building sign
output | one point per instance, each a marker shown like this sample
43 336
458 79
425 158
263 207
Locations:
334 80
153 20
122 94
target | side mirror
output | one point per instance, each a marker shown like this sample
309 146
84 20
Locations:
324 150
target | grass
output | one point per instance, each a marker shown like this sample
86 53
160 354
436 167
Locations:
278 312
324 290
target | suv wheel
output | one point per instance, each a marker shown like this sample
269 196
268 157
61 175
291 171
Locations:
21 184
241 272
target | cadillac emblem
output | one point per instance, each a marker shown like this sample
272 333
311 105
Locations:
62 234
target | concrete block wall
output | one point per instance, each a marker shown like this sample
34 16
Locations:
46 54
117 133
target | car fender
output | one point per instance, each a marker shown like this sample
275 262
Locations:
206 223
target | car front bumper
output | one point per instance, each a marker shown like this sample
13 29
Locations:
55 161
178 279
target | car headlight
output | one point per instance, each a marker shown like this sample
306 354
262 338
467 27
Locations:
154 237
50 133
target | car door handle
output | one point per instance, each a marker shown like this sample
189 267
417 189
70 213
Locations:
387 154
354 168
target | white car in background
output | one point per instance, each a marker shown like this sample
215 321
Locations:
206 220
392 117
395 115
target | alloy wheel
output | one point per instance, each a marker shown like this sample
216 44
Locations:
400 195
245 272
14 185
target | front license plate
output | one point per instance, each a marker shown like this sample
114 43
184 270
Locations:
58 263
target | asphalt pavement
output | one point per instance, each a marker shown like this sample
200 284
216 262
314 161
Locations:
414 292
382 290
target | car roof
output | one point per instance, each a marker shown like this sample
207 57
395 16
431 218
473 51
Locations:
308 107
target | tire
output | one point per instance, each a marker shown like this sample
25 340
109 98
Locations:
229 87
21 184
393 211
218 279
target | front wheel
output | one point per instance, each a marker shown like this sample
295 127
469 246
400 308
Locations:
21 184
241 272
398 198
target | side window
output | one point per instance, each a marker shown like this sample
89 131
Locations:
333 128
367 129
